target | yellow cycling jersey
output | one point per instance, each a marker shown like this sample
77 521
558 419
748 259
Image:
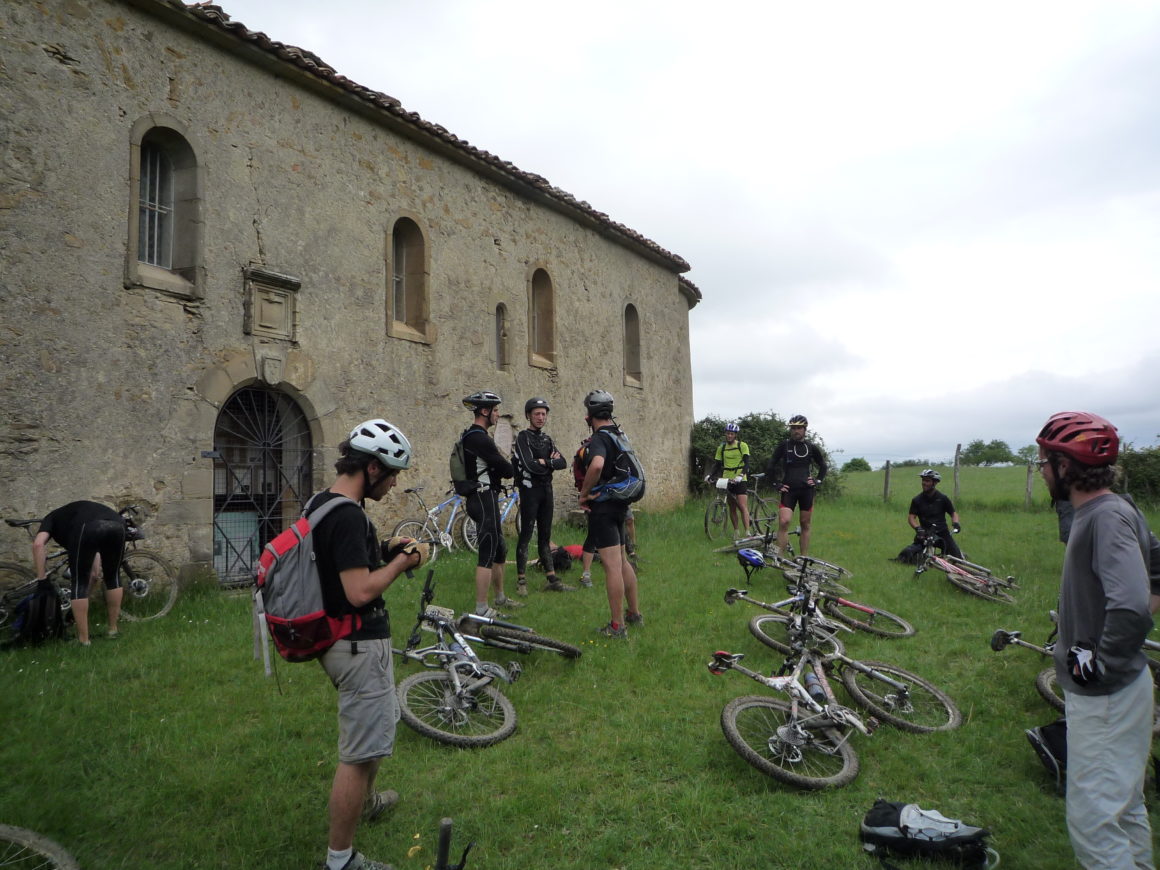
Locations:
730 457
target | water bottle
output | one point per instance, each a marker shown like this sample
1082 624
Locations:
814 687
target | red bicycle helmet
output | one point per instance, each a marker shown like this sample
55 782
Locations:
1083 436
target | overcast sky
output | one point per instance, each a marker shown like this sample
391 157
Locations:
917 223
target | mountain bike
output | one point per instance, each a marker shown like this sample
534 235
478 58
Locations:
717 510
509 511
805 741
442 524
149 581
825 574
806 595
21 848
1046 683
454 700
971 578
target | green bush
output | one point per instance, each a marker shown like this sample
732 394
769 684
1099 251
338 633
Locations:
856 464
1141 473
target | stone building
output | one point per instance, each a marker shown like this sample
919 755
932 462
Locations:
217 254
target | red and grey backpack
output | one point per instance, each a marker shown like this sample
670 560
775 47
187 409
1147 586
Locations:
288 593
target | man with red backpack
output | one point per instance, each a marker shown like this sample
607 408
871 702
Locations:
355 571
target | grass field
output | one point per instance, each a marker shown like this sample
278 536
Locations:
169 748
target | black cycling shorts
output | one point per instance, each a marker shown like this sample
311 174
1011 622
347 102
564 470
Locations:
800 496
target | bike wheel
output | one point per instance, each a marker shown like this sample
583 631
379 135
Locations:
428 704
773 630
764 732
526 641
470 534
12 578
150 585
761 515
980 585
1049 688
924 708
880 622
715 513
26 849
418 530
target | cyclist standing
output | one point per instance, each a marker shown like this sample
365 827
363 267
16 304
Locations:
606 519
486 470
732 463
93 535
1104 618
535 458
790 470
928 512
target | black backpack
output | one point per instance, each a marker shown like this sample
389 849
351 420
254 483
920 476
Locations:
39 616
896 830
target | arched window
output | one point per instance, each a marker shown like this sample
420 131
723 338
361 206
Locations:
165 231
502 358
541 321
632 370
408 314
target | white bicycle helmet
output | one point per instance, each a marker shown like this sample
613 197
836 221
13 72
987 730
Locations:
382 441
931 473
732 427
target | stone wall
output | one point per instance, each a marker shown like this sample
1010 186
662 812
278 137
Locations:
112 392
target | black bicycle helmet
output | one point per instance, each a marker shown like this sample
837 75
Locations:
931 473
598 401
798 420
533 403
482 399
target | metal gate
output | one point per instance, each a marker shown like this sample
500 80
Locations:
262 464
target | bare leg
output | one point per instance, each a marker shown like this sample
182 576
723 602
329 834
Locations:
113 606
80 612
352 786
628 575
743 506
784 516
806 517
613 560
497 579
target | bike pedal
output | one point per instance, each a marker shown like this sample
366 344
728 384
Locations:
872 724
515 669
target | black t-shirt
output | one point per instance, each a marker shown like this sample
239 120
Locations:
607 448
346 538
65 524
932 509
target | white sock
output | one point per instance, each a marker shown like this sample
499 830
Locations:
337 860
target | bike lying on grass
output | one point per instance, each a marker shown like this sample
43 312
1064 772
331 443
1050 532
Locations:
805 597
455 700
149 581
826 574
805 741
971 578
1045 681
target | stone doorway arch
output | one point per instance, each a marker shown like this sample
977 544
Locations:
262 474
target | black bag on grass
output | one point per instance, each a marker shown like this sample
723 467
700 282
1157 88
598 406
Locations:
1050 744
38 617
895 830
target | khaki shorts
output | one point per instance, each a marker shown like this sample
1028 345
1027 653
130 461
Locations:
368 709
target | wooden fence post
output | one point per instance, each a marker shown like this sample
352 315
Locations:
958 451
886 482
1027 495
